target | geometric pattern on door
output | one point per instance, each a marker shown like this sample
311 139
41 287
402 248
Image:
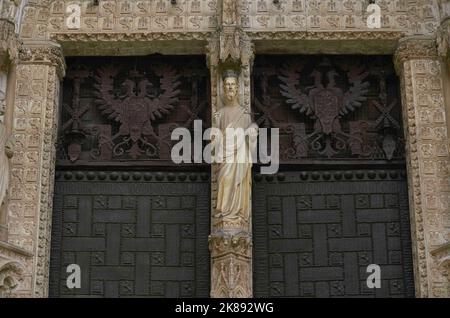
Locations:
132 234
316 232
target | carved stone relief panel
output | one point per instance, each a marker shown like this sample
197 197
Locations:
35 19
330 107
412 17
136 16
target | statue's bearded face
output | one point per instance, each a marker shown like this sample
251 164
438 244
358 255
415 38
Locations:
231 88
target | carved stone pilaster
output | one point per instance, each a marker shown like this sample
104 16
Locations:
428 159
38 74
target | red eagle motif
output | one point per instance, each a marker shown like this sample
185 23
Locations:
326 104
136 107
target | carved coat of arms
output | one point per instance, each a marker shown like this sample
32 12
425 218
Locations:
136 106
325 101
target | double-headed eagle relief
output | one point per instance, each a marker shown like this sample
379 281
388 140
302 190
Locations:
325 102
136 106
125 109
329 107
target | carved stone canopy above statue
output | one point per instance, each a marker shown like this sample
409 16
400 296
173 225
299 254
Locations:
126 108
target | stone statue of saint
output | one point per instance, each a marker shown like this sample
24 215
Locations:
6 152
234 176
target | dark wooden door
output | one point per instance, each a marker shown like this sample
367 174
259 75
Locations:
317 231
340 202
134 222
131 233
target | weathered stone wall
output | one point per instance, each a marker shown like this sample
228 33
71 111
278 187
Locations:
227 31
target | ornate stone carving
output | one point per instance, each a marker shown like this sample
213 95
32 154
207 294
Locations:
427 158
413 48
338 15
136 16
441 256
45 53
8 43
11 275
231 267
35 116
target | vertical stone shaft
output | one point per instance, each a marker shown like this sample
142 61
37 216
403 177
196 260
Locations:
428 159
230 242
39 71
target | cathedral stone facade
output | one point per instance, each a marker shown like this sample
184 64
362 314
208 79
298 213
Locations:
363 114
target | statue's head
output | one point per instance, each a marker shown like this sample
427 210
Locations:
231 85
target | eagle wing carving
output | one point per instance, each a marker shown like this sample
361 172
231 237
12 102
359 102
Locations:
290 77
157 107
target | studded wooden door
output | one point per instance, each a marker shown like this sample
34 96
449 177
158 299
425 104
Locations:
135 223
339 202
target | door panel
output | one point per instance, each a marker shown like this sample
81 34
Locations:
316 232
131 233
133 227
341 203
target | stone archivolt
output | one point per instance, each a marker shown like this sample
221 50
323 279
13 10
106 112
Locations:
229 29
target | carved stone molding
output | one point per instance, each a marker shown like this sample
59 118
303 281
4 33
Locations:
129 37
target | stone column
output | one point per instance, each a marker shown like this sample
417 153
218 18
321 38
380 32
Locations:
428 160
230 242
38 74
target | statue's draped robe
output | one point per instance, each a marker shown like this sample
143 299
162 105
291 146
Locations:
4 163
234 178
